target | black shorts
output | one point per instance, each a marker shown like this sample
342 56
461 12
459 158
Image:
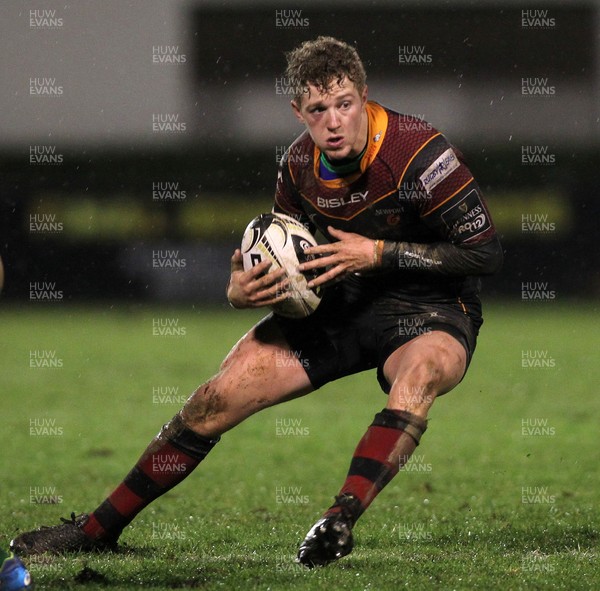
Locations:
356 328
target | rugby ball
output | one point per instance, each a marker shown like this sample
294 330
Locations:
282 240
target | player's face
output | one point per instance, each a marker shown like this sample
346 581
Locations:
336 119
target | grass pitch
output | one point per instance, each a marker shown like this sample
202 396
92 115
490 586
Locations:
503 492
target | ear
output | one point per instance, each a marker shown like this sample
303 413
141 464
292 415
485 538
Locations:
364 96
297 111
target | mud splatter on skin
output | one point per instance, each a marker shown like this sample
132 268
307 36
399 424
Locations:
170 429
204 404
257 403
247 382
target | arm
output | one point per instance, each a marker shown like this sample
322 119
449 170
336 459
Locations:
450 205
443 258
466 243
353 253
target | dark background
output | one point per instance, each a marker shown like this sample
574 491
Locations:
101 192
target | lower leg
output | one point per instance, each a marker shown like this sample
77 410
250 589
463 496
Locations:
215 407
249 380
386 446
384 449
170 458
418 371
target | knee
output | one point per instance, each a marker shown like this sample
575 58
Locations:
425 377
441 364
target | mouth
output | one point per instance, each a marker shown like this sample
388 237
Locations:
335 142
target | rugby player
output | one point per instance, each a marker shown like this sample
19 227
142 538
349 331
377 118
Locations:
408 234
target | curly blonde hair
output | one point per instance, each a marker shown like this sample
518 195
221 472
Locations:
323 62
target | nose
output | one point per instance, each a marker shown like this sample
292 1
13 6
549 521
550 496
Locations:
333 121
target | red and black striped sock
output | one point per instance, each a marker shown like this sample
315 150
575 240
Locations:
383 450
167 461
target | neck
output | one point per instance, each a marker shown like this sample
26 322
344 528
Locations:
339 168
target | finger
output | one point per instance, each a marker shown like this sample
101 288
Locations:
318 263
237 262
340 234
330 276
273 294
280 298
259 269
322 249
269 301
267 280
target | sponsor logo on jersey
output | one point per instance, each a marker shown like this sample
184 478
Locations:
467 218
358 197
475 224
443 167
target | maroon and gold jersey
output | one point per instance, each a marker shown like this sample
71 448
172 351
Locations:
412 187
